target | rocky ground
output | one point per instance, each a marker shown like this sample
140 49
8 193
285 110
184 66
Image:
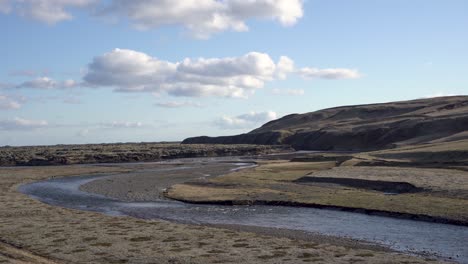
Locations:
122 152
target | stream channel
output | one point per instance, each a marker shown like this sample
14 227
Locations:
415 237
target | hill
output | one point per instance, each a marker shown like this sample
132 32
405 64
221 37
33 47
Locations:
362 127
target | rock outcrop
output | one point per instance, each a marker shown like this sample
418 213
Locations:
122 152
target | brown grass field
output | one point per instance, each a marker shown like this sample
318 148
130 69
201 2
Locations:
440 188
34 232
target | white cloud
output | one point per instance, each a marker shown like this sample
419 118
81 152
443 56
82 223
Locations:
47 83
22 124
439 94
332 74
178 104
5 6
245 121
132 71
291 92
8 103
202 18
127 70
284 67
49 11
122 124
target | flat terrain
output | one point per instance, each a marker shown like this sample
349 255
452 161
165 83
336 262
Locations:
426 181
33 232
453 154
408 188
122 152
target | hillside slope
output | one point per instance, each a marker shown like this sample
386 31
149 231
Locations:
362 127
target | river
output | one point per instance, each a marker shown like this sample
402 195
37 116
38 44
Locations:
415 237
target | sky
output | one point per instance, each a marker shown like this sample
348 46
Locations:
98 71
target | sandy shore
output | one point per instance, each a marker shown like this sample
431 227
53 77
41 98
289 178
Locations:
58 235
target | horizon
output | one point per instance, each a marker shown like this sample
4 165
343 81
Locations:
90 72
180 141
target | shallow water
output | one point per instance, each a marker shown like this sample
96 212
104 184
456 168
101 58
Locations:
442 240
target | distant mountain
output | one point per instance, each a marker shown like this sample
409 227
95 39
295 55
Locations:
362 127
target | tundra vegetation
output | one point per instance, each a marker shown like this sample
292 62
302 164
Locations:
34 232
403 159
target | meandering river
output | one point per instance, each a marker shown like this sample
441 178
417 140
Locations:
441 240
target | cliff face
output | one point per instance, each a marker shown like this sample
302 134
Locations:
362 127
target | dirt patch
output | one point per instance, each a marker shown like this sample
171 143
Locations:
380 186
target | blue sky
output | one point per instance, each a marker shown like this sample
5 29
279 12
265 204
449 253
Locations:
91 71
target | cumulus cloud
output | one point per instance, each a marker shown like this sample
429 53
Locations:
132 71
46 11
127 70
7 103
245 121
47 83
122 124
291 92
202 18
332 74
178 104
284 67
22 124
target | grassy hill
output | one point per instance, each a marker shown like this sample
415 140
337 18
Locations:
362 127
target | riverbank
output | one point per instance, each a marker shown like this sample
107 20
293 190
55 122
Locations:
147 186
63 235
427 194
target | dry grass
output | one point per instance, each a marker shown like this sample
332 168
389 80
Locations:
70 236
445 195
434 154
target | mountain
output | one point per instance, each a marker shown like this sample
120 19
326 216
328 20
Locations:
362 127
